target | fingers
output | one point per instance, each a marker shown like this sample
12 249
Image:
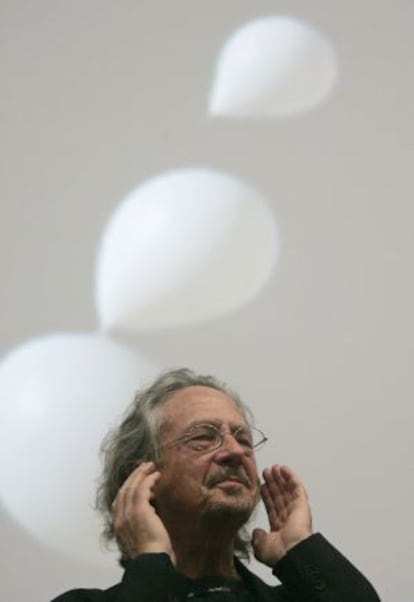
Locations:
276 493
279 491
275 518
290 477
135 491
282 481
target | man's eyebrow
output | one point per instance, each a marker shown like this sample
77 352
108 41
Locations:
216 423
195 423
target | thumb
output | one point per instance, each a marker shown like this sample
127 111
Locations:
257 538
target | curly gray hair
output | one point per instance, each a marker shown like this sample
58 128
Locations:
136 440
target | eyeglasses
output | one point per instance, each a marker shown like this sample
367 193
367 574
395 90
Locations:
208 437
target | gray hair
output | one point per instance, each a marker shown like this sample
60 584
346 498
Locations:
136 440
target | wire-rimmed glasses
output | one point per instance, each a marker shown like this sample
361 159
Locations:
205 437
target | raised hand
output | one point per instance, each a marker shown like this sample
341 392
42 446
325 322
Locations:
137 526
287 508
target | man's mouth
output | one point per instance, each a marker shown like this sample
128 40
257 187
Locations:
231 482
228 477
233 479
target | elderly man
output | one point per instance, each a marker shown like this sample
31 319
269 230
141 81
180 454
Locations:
180 483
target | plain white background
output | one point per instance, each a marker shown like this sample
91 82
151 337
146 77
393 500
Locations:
98 96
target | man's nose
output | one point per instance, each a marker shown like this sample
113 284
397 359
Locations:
230 446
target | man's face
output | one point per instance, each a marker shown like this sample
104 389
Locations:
204 484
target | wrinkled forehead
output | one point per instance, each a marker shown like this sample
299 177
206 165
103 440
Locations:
196 404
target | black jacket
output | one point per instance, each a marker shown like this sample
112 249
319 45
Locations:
312 571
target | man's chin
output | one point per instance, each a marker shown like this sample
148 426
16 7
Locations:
231 501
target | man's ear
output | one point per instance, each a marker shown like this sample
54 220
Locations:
153 498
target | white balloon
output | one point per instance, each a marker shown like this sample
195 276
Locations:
185 246
273 66
58 397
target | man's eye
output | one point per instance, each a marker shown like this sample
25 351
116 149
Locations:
244 439
206 436
201 441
